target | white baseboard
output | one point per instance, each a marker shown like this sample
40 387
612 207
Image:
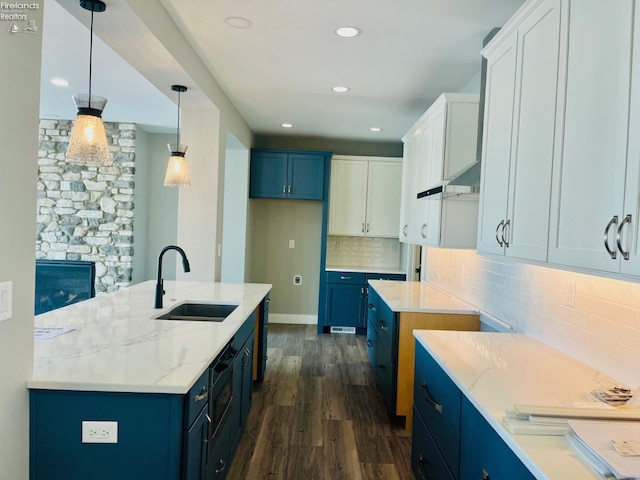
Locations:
293 319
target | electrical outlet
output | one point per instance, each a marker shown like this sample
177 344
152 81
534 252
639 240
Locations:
292 244
297 279
99 432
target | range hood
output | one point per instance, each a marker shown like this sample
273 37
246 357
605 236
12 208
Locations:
466 182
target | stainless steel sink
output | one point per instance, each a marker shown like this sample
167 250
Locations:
202 312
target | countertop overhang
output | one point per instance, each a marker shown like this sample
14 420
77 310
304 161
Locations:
116 345
419 297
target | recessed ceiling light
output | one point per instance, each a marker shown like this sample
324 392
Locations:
340 89
60 82
348 32
375 129
238 22
286 125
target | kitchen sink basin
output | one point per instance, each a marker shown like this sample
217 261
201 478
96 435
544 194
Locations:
202 312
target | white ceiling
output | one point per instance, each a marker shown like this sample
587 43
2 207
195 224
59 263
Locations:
282 68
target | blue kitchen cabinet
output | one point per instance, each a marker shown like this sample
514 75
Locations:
346 298
287 174
483 454
450 438
220 456
260 346
242 388
196 448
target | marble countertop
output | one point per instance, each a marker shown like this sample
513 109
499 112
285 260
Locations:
496 370
418 297
118 346
343 268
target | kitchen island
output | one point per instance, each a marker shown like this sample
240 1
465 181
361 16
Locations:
120 364
394 310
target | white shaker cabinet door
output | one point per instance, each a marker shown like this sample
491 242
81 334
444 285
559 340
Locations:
589 166
409 217
383 198
348 197
496 146
533 137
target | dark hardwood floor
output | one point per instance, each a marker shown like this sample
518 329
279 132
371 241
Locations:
318 414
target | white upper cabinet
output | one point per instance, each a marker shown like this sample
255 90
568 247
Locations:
593 216
364 196
520 110
439 145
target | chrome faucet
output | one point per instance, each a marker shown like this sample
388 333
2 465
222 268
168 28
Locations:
160 282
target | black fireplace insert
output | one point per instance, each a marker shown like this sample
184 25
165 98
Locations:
63 282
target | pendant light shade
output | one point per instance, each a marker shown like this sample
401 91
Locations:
177 174
88 144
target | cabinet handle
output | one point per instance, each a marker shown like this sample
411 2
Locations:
221 469
613 221
362 227
383 326
625 255
506 225
371 307
485 475
422 230
289 189
429 398
342 277
404 230
369 344
362 291
501 224
367 227
203 395
284 189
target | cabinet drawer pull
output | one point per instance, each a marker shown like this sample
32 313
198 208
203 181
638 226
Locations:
371 307
485 475
369 344
383 326
500 242
203 395
342 277
506 225
223 466
625 255
429 398
613 221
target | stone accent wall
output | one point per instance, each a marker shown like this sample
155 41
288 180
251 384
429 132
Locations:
86 213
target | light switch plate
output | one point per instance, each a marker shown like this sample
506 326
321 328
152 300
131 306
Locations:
6 294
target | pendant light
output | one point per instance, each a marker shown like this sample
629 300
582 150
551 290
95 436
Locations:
177 170
88 143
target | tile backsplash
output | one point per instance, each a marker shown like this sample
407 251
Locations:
363 252
594 319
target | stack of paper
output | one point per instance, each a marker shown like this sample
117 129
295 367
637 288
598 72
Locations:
611 447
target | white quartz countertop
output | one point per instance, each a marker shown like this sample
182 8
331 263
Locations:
342 268
496 370
117 346
418 297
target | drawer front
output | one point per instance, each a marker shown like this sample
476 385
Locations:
426 461
438 400
401 277
197 398
371 345
346 277
386 375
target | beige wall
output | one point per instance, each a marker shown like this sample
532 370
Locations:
20 80
272 224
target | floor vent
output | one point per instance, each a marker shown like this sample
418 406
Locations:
343 329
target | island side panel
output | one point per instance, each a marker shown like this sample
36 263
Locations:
410 321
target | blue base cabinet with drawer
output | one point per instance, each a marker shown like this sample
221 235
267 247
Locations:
450 438
346 298
287 174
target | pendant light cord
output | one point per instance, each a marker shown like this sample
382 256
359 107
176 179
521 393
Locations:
178 128
90 56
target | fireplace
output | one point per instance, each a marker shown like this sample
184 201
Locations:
63 282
